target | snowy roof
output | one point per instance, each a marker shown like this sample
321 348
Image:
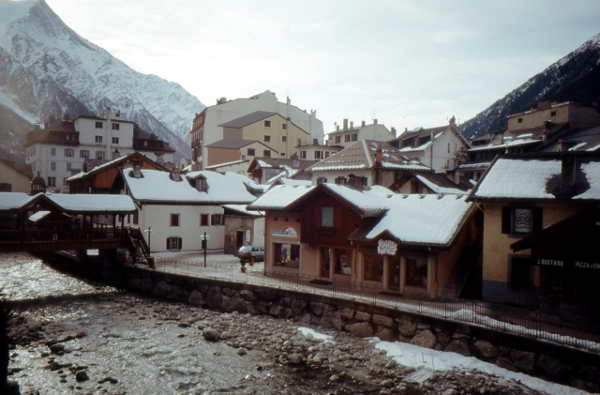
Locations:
508 144
224 164
243 209
362 155
157 186
437 187
422 219
290 182
92 203
110 163
280 197
15 200
524 178
35 217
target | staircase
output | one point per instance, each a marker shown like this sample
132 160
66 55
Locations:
138 247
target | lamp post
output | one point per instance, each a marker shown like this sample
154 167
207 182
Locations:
149 231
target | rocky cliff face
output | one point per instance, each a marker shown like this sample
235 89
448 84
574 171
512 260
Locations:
46 68
575 77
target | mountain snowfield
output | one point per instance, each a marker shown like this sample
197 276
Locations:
46 68
574 77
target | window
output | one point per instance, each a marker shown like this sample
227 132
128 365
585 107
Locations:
99 125
174 243
267 153
84 153
174 220
338 139
286 255
135 218
100 155
327 217
283 139
321 180
325 262
340 180
315 141
448 147
69 152
98 139
284 126
416 272
52 166
552 113
115 140
373 264
251 152
346 138
318 154
53 151
343 265
68 166
115 126
303 154
217 219
521 220
51 181
267 138
267 124
327 154
299 142
5 187
520 120
354 137
203 219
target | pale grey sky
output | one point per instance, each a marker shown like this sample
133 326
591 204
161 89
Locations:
407 63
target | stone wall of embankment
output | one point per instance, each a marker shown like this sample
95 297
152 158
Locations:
550 361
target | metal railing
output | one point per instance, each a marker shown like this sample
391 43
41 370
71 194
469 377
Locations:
519 321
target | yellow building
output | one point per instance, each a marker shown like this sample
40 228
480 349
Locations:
270 128
13 178
523 197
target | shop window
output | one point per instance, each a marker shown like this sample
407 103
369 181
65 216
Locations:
174 243
217 219
343 265
174 220
327 217
287 254
521 220
203 219
416 272
373 265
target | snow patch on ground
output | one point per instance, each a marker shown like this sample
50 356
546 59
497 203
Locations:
427 361
309 332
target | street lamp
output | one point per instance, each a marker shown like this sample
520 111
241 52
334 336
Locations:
149 231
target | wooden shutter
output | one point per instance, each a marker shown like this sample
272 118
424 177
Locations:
506 211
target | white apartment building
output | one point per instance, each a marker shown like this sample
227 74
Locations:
206 129
348 134
63 147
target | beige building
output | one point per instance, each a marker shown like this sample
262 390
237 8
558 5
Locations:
348 134
13 178
578 116
269 128
230 150
317 151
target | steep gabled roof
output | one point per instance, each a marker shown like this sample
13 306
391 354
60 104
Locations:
247 119
115 162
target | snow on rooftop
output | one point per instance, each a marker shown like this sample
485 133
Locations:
508 144
35 217
243 208
439 189
339 167
235 162
592 174
417 148
412 165
156 185
281 196
370 202
14 200
91 203
422 219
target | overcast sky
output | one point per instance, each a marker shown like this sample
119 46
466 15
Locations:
407 63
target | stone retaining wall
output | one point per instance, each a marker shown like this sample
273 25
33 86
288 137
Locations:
549 361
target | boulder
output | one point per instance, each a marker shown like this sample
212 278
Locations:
424 338
246 294
298 305
295 358
196 298
214 298
407 327
385 334
523 360
347 314
383 320
318 308
360 329
459 346
485 349
163 289
211 335
362 316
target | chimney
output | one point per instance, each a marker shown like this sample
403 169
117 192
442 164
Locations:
351 125
378 156
393 130
345 123
195 165
452 121
175 175
363 123
375 121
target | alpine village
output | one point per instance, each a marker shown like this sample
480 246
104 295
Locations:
328 253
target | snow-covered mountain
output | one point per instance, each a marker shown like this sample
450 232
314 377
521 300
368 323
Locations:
575 77
46 68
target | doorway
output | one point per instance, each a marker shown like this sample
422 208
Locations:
239 239
394 277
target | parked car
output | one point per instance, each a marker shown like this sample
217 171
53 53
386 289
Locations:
256 253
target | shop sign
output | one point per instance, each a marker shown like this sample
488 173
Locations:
387 247
288 232
587 265
551 262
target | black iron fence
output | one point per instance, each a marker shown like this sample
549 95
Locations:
531 323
